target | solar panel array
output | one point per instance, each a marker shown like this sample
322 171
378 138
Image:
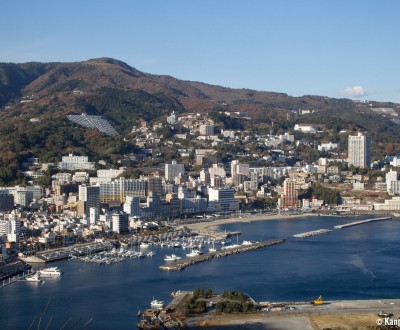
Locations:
97 122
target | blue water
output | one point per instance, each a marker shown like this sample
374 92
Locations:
359 262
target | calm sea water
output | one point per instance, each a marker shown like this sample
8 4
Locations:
360 262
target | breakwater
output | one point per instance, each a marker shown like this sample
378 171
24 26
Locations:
312 233
181 264
361 222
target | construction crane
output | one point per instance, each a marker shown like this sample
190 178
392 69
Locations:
317 302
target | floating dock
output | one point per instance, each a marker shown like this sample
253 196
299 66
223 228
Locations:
312 233
181 264
356 223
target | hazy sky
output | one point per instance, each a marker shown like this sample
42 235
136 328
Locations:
337 48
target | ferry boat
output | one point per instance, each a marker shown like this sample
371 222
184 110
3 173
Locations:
156 303
49 272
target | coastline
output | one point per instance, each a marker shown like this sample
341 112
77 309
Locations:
340 314
209 227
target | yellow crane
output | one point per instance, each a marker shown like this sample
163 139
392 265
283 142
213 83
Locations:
318 301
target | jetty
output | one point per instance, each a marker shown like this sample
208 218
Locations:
181 264
312 233
361 222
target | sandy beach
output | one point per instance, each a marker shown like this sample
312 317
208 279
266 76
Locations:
209 227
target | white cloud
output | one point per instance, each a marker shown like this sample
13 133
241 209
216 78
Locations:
355 91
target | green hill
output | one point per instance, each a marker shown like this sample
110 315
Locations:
49 92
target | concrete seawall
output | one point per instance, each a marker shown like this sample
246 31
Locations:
181 264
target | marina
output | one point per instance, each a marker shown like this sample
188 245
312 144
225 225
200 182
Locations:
361 222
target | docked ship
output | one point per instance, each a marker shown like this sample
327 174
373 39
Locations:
194 253
172 257
33 278
156 303
49 272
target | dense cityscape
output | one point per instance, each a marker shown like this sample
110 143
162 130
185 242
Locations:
199 165
83 203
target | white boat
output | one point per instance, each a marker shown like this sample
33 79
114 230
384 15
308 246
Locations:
229 247
249 243
156 303
33 278
172 257
50 272
212 249
144 245
194 253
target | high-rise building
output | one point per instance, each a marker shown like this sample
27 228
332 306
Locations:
155 185
359 150
173 170
13 229
289 197
93 215
239 172
222 199
120 222
6 201
390 176
90 196
117 190
132 205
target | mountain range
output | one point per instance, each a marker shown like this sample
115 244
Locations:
48 92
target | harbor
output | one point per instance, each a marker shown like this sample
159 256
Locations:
361 222
269 274
179 265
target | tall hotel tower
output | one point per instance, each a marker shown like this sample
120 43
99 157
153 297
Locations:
359 151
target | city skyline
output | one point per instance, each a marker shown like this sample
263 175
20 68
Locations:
338 49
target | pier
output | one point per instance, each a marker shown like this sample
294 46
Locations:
179 265
356 223
312 233
65 253
15 278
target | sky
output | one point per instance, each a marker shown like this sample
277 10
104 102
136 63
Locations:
337 48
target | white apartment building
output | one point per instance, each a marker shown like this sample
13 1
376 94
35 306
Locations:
13 229
389 205
206 130
117 190
328 146
73 163
359 150
217 170
222 199
132 205
173 170
120 222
